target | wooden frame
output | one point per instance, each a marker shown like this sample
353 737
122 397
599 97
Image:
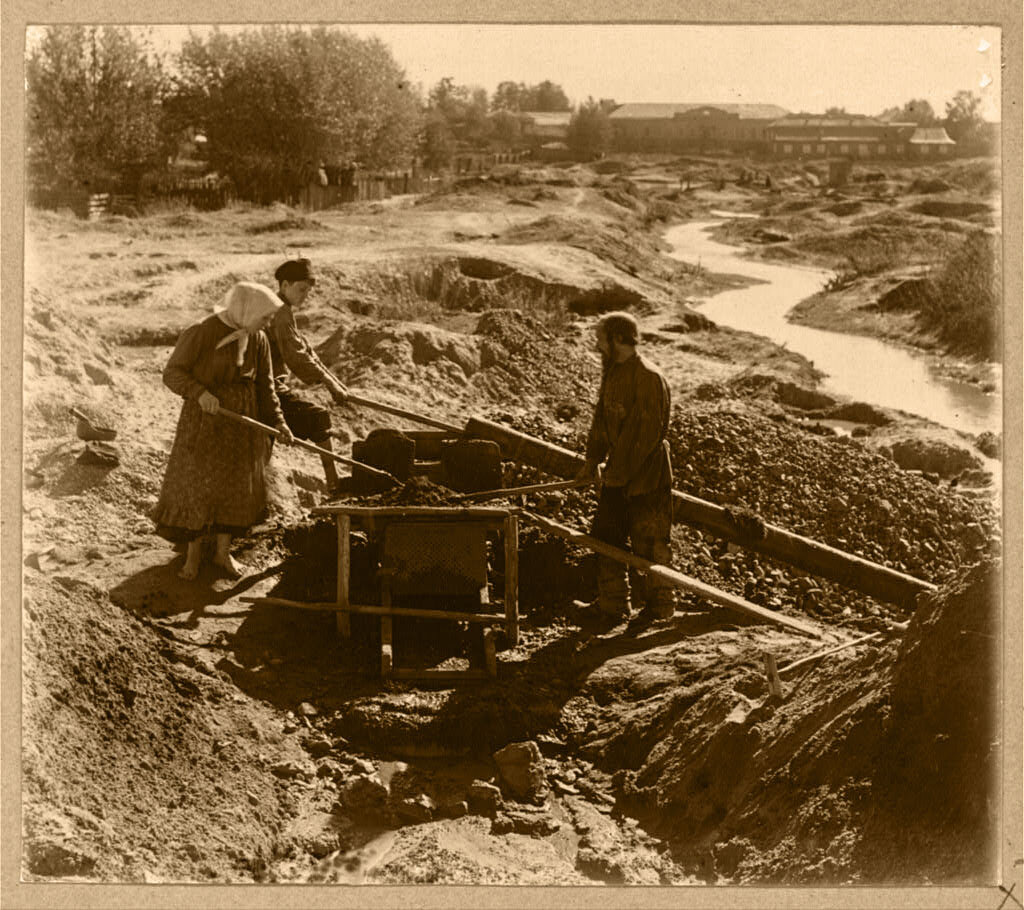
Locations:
370 517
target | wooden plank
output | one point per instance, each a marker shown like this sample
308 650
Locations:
401 412
490 653
386 653
771 670
803 661
461 512
379 610
512 579
344 561
809 555
677 579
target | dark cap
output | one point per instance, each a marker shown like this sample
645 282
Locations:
295 270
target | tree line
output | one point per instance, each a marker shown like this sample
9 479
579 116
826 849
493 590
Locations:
272 103
105 110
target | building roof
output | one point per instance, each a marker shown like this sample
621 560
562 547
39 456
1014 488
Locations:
932 135
828 122
548 118
658 111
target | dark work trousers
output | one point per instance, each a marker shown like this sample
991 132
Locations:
306 419
645 521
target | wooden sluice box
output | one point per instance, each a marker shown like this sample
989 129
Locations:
435 553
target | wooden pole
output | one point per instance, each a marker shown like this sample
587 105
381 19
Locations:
803 661
817 558
400 412
677 579
378 610
344 562
303 444
512 579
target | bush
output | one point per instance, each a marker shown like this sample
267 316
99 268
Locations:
965 308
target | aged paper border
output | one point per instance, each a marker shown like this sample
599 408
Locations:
16 14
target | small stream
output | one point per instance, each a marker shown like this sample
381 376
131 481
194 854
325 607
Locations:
864 369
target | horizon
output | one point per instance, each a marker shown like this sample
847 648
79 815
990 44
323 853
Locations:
720 64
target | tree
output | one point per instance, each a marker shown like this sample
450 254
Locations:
545 96
837 112
274 101
508 96
964 122
917 111
437 144
590 130
464 110
508 127
94 114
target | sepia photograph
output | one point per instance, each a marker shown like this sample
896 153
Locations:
541 454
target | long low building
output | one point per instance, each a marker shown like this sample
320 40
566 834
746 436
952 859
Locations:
703 127
855 137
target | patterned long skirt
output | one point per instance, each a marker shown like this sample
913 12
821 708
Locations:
215 479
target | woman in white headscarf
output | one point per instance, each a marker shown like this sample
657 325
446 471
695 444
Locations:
215 474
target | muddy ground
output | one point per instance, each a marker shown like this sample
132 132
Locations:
174 732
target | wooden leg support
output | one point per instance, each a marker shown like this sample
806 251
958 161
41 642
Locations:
344 562
386 654
512 579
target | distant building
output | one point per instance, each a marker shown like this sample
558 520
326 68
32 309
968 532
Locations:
545 126
692 126
855 137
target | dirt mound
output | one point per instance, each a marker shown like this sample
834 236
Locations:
814 788
111 707
788 477
289 223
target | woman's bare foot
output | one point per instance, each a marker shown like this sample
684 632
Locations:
193 557
231 566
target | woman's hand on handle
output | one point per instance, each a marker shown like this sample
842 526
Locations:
208 402
284 434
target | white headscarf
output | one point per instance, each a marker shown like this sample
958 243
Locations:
244 307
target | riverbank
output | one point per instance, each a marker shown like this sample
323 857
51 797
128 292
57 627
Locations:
874 236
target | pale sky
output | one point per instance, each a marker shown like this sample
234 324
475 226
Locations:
864 68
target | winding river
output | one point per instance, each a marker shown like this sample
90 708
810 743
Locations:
865 369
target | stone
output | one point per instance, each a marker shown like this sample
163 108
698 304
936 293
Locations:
483 798
307 710
531 824
365 797
455 809
521 769
416 810
364 766
292 770
97 374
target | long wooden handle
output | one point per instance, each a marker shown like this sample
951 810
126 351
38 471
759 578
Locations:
532 488
674 578
399 412
303 444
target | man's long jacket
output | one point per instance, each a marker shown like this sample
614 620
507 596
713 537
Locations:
630 427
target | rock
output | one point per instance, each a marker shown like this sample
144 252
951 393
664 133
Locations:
455 809
97 374
328 767
483 798
101 454
990 444
317 745
58 858
292 770
521 769
364 766
365 797
933 456
532 824
307 710
416 810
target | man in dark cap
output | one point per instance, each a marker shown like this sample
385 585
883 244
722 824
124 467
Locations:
291 352
628 434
